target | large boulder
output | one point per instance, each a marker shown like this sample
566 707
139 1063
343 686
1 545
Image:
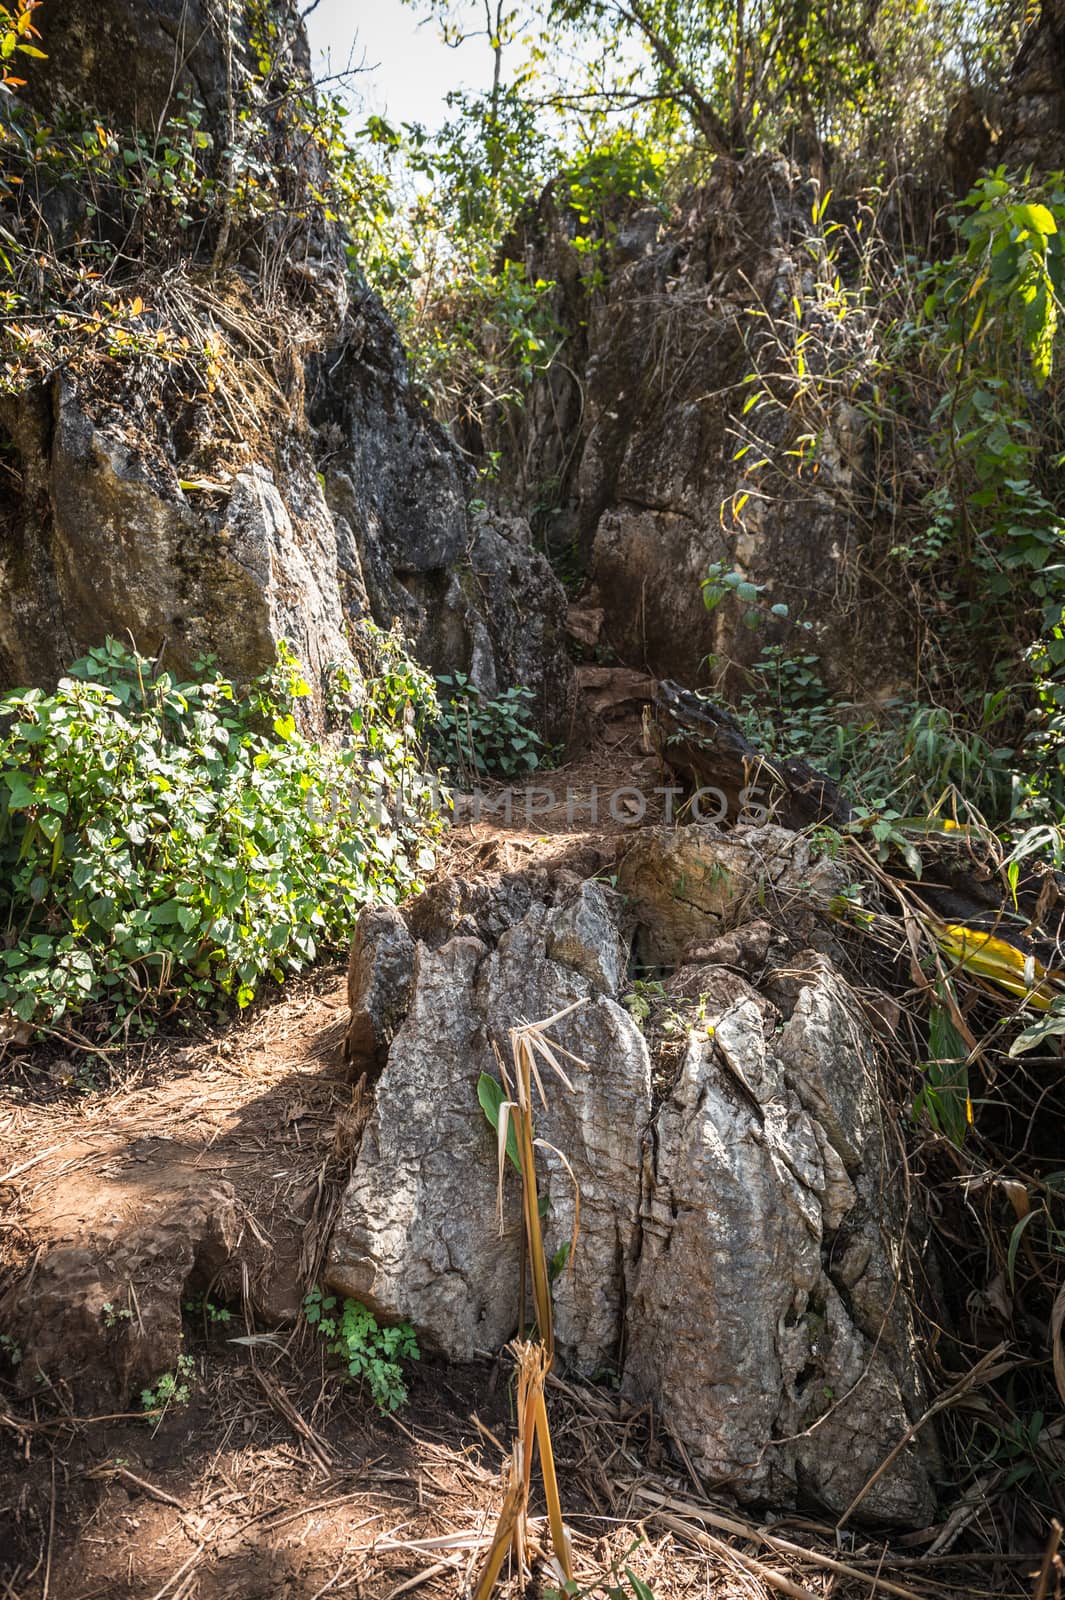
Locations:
742 1227
765 1320
114 535
417 1234
689 885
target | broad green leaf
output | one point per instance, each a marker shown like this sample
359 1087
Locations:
491 1096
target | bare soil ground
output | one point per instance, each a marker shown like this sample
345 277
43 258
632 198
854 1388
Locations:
274 1479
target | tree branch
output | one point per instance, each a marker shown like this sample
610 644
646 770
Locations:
702 113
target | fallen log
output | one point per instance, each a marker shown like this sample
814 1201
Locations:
704 745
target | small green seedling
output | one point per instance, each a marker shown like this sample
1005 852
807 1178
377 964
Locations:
170 1388
199 1306
372 1354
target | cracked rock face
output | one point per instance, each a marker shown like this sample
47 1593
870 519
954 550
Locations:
637 426
765 1318
417 1234
323 495
740 1252
126 549
380 976
692 885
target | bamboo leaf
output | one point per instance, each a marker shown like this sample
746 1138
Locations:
1015 1241
492 1098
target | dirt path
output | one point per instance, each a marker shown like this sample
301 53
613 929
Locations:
209 1171
118 1172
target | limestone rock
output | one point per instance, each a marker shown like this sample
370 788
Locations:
127 550
741 1247
744 948
637 427
599 1128
479 908
690 885
1033 131
417 1235
380 974
471 592
584 935
324 495
738 1327
502 619
132 59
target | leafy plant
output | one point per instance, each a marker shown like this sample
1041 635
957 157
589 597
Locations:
199 1306
722 581
492 1097
166 843
621 1583
17 33
170 1388
476 736
372 1354
944 1096
899 762
642 998
838 82
993 311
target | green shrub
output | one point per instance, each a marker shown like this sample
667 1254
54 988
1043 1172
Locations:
165 843
904 759
475 736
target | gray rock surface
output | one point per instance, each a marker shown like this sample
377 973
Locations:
121 548
741 1248
380 977
1023 125
1033 112
767 1322
306 487
470 591
132 58
636 433
417 1235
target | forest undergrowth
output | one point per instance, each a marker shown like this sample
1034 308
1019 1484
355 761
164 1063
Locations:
171 846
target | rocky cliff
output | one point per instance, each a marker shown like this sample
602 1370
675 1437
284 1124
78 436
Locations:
1023 125
211 443
641 441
